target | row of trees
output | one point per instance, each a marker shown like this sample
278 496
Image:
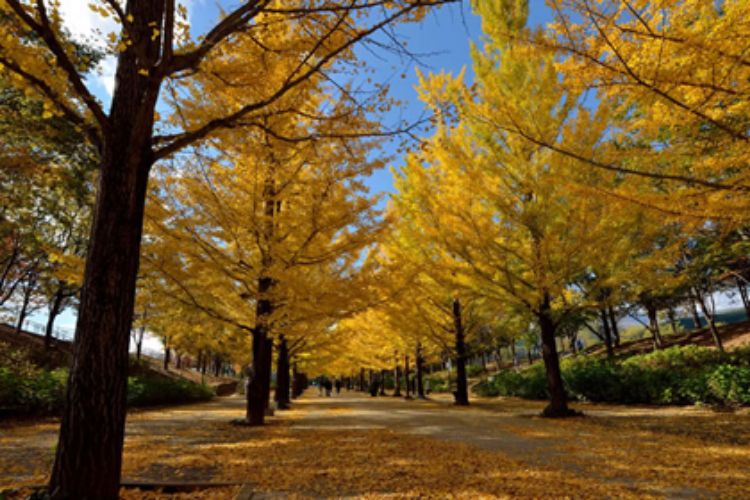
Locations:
46 187
594 168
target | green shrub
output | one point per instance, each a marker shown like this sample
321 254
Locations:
730 384
437 383
678 375
474 370
32 391
28 389
150 390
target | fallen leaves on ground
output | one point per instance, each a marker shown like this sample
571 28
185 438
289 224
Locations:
619 452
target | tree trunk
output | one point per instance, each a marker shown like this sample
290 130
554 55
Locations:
406 377
166 357
139 344
89 450
27 291
742 288
653 321
268 365
696 317
382 382
296 386
362 379
257 397
54 311
558 405
613 323
711 322
419 362
607 333
672 319
282 375
461 395
397 380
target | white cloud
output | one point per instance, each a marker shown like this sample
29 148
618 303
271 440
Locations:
86 25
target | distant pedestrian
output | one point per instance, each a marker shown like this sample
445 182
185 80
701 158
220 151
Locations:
427 389
374 385
328 386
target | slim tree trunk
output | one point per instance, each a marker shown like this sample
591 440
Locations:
54 311
406 377
382 381
419 362
653 321
397 380
296 390
696 317
268 365
607 333
558 402
257 397
742 288
711 322
167 353
613 323
139 344
282 375
462 391
27 291
672 319
362 379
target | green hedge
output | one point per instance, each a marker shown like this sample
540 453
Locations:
28 389
32 391
678 375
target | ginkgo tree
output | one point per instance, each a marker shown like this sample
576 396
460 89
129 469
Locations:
499 203
267 235
673 77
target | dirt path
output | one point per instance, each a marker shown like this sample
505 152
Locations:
352 444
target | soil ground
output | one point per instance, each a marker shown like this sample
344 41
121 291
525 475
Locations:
354 445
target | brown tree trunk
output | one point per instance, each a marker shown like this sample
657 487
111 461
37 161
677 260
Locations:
696 317
397 380
139 344
461 395
27 291
89 450
742 288
653 321
268 365
558 402
282 375
419 362
54 311
711 322
672 319
406 377
613 323
296 385
382 382
607 333
362 379
257 397
167 352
